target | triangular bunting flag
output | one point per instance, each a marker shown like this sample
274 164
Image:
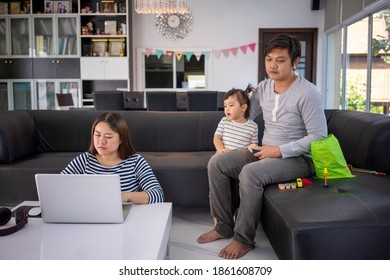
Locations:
226 53
243 49
148 51
217 54
159 53
207 54
198 55
170 54
179 55
252 46
188 55
234 51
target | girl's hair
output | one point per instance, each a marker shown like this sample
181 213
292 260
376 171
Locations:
242 96
284 41
119 125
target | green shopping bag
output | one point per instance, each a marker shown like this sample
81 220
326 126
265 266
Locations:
328 154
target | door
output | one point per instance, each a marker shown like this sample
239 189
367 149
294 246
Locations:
308 63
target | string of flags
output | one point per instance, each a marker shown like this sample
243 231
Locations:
188 54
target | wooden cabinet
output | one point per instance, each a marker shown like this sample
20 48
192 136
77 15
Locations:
56 68
16 68
107 68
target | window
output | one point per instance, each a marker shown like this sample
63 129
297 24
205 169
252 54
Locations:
163 71
358 65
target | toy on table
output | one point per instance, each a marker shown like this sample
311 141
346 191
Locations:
326 177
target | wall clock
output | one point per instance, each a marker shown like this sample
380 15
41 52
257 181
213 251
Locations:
174 26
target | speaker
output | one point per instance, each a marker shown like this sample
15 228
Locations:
315 5
21 219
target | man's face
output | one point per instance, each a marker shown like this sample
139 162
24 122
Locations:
278 64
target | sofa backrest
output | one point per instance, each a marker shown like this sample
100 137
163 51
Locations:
69 131
364 138
18 136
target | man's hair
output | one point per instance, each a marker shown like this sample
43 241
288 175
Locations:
284 41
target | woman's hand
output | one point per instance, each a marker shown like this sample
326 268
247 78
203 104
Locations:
135 197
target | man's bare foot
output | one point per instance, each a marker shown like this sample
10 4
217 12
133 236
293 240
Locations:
234 250
210 236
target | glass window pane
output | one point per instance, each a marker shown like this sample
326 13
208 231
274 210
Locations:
356 72
380 74
22 95
67 36
191 73
158 71
73 88
45 95
3 96
43 36
3 36
334 70
20 36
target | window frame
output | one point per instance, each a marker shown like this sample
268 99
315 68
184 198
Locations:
140 68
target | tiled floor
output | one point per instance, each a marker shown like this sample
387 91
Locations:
189 223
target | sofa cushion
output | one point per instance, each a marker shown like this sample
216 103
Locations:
363 138
18 136
63 131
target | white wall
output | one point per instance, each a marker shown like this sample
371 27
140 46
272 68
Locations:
224 24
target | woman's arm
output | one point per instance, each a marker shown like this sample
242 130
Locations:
151 191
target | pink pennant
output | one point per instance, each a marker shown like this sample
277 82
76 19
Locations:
226 53
148 51
243 49
217 54
234 51
252 46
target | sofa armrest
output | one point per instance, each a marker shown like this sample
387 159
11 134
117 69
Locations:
18 136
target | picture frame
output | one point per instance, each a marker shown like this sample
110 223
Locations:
48 7
99 47
107 7
110 27
61 7
122 8
27 6
3 8
117 47
15 8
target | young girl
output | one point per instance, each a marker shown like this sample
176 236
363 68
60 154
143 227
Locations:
235 131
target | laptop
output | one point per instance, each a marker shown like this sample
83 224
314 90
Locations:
81 198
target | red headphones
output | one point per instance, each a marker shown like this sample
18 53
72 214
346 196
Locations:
21 219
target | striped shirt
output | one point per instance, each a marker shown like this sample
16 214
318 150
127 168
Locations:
235 135
135 174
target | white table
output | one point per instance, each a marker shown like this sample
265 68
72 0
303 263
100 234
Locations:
143 236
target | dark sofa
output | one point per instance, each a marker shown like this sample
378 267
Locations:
348 220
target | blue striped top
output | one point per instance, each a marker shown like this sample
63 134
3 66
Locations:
135 174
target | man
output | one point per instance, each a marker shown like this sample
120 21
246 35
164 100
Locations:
293 117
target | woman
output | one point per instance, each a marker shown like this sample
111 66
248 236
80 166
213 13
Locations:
111 152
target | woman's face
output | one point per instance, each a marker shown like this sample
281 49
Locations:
106 141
